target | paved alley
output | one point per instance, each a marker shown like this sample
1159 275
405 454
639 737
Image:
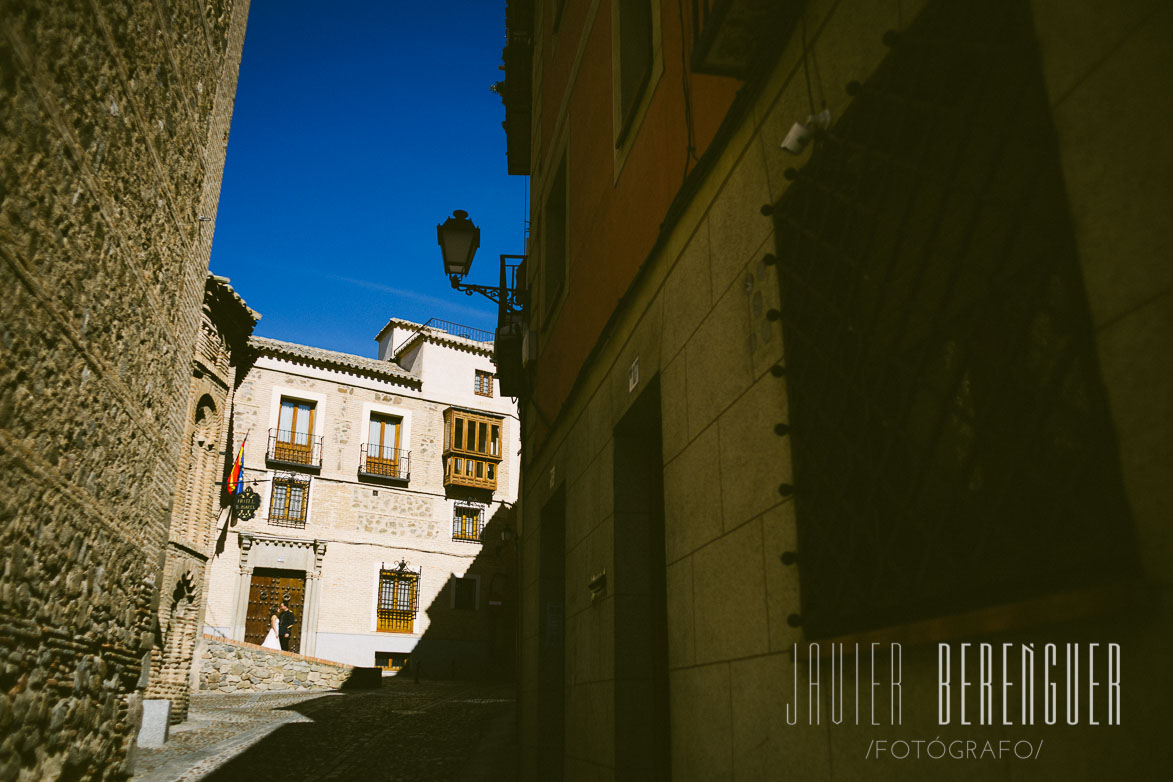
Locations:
430 731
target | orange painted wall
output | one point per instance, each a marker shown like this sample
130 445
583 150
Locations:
612 224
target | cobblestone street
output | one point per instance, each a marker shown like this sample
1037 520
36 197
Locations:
432 731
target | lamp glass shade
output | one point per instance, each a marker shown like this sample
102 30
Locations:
459 240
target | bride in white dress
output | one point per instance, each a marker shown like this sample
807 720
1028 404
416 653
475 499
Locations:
271 641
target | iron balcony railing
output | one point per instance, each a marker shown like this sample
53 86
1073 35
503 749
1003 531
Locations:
447 327
295 448
384 462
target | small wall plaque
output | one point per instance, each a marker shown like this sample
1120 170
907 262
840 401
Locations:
247 504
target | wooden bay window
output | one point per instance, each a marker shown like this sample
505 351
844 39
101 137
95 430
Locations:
472 449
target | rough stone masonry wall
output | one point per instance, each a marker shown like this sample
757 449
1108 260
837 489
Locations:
232 666
113 124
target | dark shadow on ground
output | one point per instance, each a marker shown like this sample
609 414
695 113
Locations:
402 731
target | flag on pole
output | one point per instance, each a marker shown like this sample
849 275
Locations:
235 478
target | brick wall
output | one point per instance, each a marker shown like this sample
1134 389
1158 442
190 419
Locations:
113 124
224 329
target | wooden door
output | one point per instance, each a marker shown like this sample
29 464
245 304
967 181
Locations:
269 586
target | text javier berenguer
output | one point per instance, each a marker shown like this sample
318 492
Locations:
1087 682
977 684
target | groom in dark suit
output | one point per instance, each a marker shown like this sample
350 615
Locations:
285 620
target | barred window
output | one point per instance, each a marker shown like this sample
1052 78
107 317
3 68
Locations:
950 436
467 521
398 600
290 501
483 383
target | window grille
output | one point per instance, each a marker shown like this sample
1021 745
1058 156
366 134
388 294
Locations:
483 383
951 442
467 522
398 599
289 504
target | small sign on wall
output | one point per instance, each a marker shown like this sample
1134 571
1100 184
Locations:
633 375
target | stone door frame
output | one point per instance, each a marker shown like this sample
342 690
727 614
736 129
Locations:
267 551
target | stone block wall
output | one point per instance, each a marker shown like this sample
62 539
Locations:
113 124
232 666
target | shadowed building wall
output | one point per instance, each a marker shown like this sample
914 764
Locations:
113 124
921 396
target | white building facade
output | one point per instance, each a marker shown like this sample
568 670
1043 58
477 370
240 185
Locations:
376 480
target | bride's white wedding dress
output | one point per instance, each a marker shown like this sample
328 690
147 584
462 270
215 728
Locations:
271 641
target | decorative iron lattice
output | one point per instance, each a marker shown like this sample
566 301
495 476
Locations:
468 520
951 440
289 502
398 599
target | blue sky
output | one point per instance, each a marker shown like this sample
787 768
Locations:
358 127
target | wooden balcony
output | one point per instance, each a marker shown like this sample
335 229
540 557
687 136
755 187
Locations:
472 448
477 473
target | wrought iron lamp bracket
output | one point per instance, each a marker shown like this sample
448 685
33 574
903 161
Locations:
504 296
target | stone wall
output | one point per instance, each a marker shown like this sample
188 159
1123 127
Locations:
232 666
113 124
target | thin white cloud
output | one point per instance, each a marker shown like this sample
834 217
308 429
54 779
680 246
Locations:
421 298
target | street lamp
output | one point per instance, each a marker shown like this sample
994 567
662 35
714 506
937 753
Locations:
459 240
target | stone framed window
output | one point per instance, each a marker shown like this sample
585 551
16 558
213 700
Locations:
555 233
467 522
381 454
637 63
465 593
483 383
294 441
398 599
289 501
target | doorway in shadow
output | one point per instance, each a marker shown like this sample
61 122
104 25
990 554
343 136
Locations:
640 594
